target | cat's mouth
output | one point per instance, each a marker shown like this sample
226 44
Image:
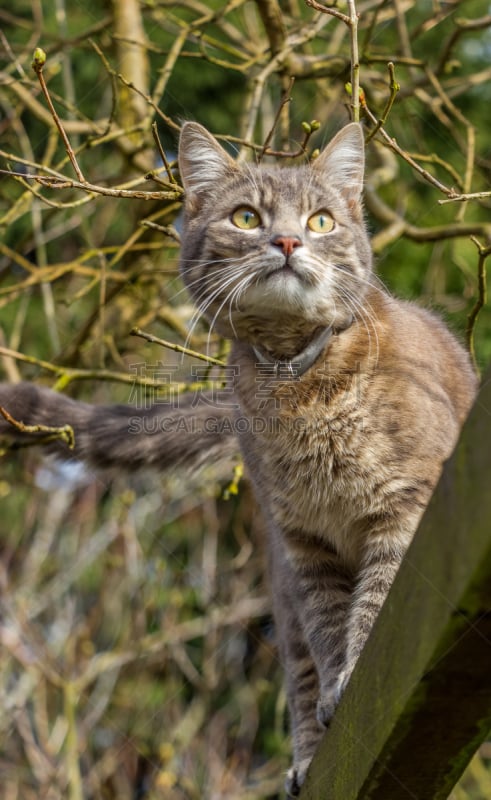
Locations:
284 272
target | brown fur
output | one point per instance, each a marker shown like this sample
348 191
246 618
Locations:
344 457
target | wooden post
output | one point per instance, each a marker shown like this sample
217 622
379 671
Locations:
419 701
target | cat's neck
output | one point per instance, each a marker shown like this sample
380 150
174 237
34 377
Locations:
301 361
353 346
289 339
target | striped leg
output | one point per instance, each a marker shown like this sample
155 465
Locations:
326 605
302 689
301 681
324 591
383 555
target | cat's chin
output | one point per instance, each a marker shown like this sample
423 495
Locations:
282 292
285 286
285 298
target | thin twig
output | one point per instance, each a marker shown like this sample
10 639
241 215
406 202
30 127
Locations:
355 61
433 158
283 102
149 337
333 12
460 198
168 230
37 65
394 87
73 747
54 182
400 226
351 20
66 375
391 142
481 300
64 432
130 85
168 169
114 93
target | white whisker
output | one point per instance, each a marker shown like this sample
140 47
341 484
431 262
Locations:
210 294
365 313
229 297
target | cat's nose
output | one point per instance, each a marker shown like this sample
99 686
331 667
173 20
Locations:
287 244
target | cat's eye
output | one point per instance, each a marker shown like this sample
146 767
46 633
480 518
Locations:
321 222
246 218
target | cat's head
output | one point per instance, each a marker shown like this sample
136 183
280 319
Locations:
268 251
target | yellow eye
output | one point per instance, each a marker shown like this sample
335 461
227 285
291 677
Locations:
246 218
321 222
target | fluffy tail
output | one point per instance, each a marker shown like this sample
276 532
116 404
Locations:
196 432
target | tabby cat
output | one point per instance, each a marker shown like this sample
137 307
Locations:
347 401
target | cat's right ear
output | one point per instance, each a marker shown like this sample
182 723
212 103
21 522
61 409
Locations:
342 162
203 163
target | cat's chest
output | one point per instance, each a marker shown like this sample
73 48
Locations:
308 455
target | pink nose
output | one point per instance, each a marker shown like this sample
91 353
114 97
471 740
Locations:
287 244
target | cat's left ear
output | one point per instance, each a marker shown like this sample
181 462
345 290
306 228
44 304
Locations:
343 162
203 163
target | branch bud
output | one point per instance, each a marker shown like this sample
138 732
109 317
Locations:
361 93
39 59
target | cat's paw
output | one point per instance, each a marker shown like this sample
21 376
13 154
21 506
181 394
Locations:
296 776
342 682
325 708
329 699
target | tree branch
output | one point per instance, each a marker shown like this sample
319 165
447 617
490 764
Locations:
481 300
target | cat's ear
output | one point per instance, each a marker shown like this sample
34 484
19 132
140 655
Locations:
343 162
203 163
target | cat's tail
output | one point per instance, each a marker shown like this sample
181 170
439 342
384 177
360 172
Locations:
193 431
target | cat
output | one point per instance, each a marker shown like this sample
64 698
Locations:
346 401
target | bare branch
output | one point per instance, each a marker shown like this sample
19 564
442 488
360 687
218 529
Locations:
351 20
460 198
272 18
54 182
481 299
65 432
333 12
394 88
402 227
391 142
177 347
37 65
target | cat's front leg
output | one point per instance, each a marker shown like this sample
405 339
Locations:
324 588
302 692
299 669
382 557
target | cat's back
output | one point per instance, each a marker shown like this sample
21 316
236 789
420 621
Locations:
418 350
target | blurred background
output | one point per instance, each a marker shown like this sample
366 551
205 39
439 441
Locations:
138 656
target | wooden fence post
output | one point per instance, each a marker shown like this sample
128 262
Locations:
419 701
